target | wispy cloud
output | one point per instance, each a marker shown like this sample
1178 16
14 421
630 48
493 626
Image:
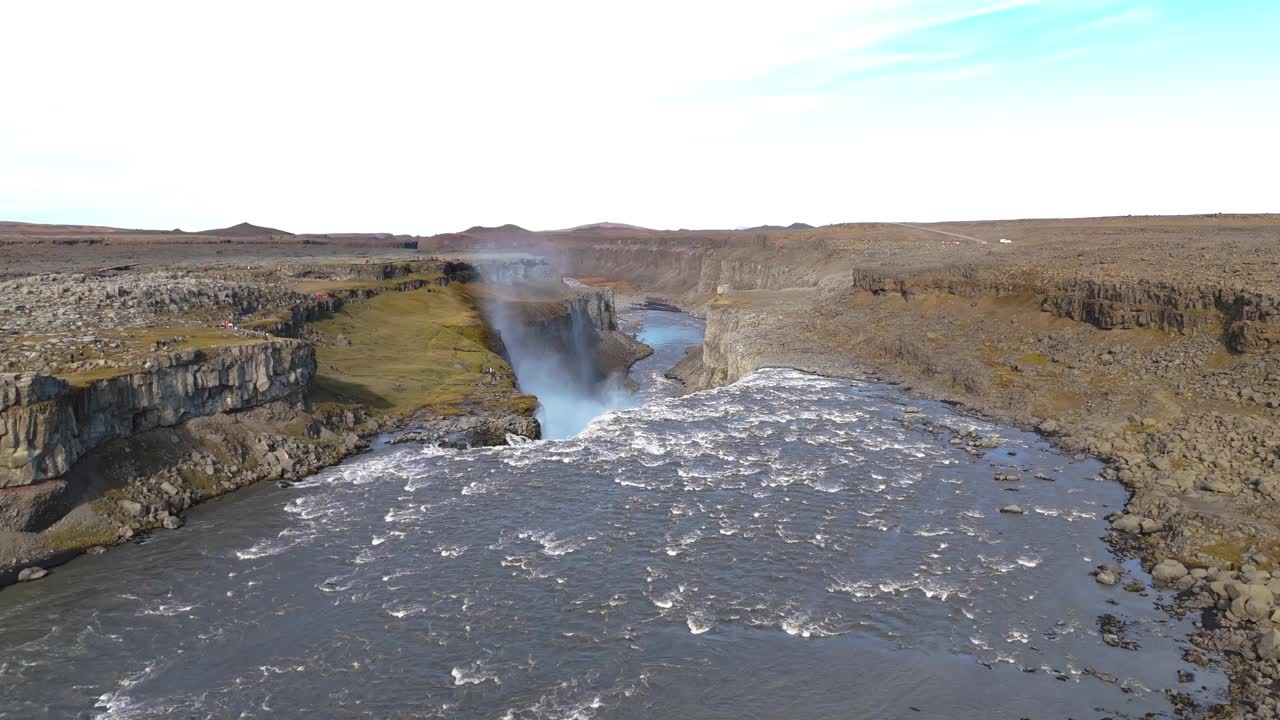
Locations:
1068 54
1138 15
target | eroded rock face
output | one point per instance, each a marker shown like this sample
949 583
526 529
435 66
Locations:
1252 336
47 424
1175 308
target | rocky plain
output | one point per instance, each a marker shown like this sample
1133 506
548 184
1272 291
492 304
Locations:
147 371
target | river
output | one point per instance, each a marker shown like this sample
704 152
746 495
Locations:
783 547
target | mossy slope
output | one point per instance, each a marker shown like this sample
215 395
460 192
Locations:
399 352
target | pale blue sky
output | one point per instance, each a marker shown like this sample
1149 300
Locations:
413 117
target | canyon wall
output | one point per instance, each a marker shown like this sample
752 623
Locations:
1247 321
46 424
582 329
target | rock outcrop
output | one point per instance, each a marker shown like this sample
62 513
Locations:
46 424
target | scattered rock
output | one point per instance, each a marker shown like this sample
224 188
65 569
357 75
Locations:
1131 524
1168 571
31 573
1269 645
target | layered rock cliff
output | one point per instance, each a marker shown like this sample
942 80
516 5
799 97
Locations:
581 328
693 271
46 424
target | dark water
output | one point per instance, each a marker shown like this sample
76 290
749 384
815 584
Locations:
780 548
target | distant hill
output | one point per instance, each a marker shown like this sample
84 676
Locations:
792 226
503 229
244 229
44 228
608 226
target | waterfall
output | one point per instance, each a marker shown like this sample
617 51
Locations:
554 359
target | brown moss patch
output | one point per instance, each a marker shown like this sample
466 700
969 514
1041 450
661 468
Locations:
78 538
201 481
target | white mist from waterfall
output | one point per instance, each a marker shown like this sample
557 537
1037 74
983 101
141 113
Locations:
561 371
565 409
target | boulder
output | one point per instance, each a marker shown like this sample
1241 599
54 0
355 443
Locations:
1168 571
1269 645
130 507
31 573
1249 602
1131 524
1011 510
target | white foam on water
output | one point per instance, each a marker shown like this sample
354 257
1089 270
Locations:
117 705
1000 565
698 624
474 675
265 548
401 613
170 610
551 545
451 551
801 625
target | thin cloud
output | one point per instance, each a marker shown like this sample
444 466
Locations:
1064 55
1133 16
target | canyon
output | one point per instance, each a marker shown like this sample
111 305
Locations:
1150 343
